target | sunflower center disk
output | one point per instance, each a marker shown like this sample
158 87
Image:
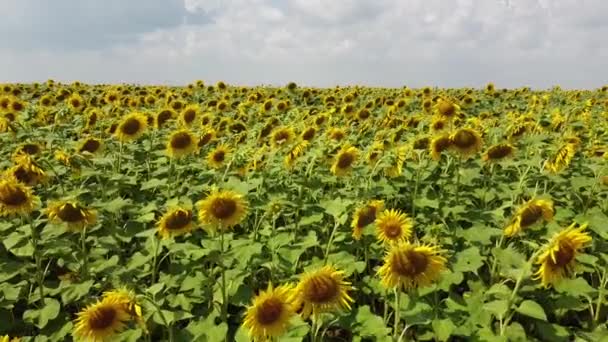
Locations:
189 116
563 256
223 208
392 230
499 152
464 139
179 220
70 213
90 146
23 175
367 216
102 318
30 149
270 311
13 197
219 156
322 289
530 215
131 126
345 160
410 263
181 140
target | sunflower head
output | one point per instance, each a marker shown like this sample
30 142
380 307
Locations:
308 134
336 134
558 258
322 290
132 127
164 116
16 198
181 143
534 211
189 115
393 226
364 216
407 266
71 213
466 141
344 160
269 313
446 108
101 321
27 171
222 209
129 301
217 157
282 136
91 145
438 145
175 222
498 152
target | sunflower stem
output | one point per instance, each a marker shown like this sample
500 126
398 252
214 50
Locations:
600 295
330 241
223 271
162 318
119 161
84 271
495 261
154 261
37 258
397 314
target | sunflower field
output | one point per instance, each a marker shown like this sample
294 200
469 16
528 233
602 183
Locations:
227 213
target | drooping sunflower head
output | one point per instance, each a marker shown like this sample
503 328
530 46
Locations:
438 124
16 198
164 116
222 209
344 160
558 259
27 171
322 290
446 108
562 158
30 149
466 141
336 134
364 216
132 126
181 143
408 266
206 137
439 144
128 299
91 145
175 222
498 152
217 158
534 211
101 321
269 313
71 213
308 134
393 226
282 136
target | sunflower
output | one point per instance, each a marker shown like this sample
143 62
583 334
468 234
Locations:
439 144
181 143
16 198
218 156
101 321
364 216
91 145
393 226
407 266
558 258
322 290
76 103
27 171
336 134
446 108
164 116
223 209
129 301
308 134
175 222
189 115
438 124
7 338
498 152
207 136
132 127
268 316
296 152
72 213
529 214
344 160
562 158
30 149
466 141
282 136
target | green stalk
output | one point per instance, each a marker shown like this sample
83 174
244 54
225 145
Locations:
154 261
162 318
84 272
397 314
329 242
37 258
223 273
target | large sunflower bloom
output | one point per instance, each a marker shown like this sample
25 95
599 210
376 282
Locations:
132 127
216 158
364 216
16 198
181 143
438 145
408 266
269 314
323 290
101 321
466 141
130 304
344 161
529 214
498 152
175 222
282 136
223 209
72 213
393 226
558 258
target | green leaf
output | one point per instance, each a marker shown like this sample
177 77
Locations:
498 307
48 312
153 183
116 205
469 260
532 309
443 329
575 287
155 289
311 219
337 208
480 233
516 333
424 202
74 292
207 330
369 324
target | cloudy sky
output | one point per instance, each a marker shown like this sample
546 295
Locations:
452 43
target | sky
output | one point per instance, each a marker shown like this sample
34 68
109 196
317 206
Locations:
390 43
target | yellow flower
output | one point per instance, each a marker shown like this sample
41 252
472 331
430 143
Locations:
498 152
268 316
558 258
16 198
562 158
175 222
218 156
189 115
101 321
393 226
446 108
27 171
438 145
364 216
132 127
282 136
408 266
130 304
223 209
164 116
529 214
76 103
295 153
71 213
181 143
466 141
91 146
7 338
322 290
344 160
